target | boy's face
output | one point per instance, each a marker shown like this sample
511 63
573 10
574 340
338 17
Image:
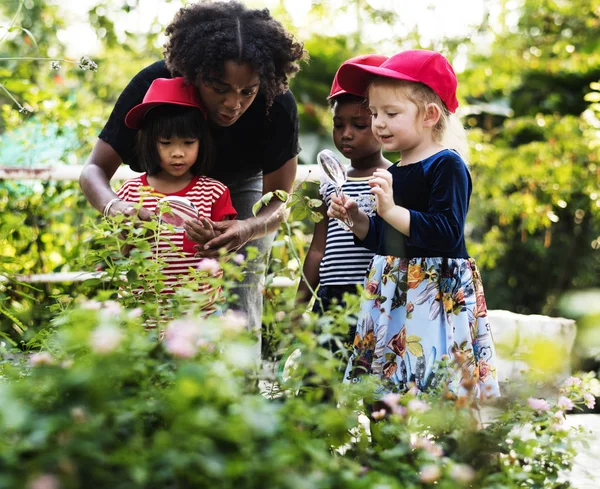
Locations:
352 133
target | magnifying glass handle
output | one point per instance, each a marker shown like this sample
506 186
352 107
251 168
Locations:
340 194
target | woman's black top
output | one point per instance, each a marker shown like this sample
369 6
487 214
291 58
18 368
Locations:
256 142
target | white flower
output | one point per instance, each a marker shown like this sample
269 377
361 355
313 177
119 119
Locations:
91 305
85 63
209 265
462 473
590 400
40 358
430 473
105 339
280 316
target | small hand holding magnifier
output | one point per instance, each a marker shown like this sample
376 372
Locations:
335 173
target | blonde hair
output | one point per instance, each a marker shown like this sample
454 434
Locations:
448 131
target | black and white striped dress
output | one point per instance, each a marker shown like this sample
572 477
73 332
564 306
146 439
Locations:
345 263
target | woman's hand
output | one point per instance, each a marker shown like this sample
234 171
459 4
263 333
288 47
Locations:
381 187
231 235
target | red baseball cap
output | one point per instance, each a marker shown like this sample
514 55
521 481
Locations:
365 59
164 91
428 67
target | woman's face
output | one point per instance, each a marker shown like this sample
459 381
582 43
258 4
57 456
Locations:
226 99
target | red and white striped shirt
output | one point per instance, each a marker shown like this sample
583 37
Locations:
212 200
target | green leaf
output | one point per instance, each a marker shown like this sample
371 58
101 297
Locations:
415 348
281 195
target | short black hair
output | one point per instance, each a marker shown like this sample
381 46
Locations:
170 120
347 98
203 36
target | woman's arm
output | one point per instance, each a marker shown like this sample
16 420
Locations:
235 234
95 181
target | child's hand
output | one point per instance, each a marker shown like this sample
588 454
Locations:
341 209
381 187
200 231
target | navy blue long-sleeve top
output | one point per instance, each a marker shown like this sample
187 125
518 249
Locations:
436 191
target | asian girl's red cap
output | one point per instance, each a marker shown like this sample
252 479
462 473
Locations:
365 59
164 91
427 67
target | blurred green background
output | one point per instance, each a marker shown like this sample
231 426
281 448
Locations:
528 87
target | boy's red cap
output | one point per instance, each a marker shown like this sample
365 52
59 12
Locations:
164 91
428 67
365 59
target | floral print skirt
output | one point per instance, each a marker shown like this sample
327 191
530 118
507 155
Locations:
417 312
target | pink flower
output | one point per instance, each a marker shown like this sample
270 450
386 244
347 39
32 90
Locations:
135 313
181 338
91 305
462 473
430 473
590 400
234 320
40 358
105 339
209 265
572 382
427 445
377 415
239 259
280 316
181 348
44 481
113 308
417 406
565 403
393 401
539 405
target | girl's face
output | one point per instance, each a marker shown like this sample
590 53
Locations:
396 121
352 133
177 156
226 99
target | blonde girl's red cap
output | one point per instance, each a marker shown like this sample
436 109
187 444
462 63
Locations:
174 91
365 59
418 65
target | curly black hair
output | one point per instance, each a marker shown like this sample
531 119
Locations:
205 35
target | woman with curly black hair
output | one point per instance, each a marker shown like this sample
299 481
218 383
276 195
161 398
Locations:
240 60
